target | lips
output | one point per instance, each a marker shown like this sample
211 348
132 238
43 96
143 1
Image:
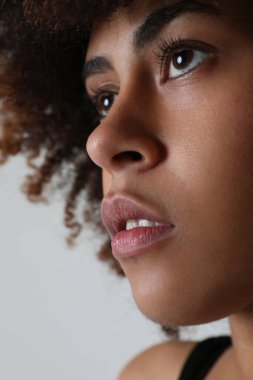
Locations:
117 211
142 235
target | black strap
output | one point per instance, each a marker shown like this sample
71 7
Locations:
203 356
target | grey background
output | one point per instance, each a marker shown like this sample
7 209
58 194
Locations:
63 314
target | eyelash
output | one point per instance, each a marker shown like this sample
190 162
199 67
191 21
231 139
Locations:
96 95
168 48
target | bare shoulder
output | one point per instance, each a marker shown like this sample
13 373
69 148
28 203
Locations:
161 361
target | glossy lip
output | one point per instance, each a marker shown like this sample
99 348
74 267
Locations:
115 213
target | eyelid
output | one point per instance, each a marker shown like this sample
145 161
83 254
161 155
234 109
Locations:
96 86
168 48
97 90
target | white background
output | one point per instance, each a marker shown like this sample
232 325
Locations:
63 314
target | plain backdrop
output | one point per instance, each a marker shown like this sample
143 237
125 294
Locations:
63 314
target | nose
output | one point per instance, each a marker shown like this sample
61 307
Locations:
125 140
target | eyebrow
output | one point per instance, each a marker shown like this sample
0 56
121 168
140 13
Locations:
150 29
155 22
97 65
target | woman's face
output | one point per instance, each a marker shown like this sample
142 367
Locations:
174 89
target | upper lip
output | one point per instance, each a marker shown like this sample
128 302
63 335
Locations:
116 211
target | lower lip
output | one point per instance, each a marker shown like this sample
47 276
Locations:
130 243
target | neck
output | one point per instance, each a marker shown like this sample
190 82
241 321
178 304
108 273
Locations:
241 325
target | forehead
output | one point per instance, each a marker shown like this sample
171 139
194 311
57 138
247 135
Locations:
237 13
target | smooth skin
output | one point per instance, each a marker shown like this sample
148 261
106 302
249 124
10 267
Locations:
191 130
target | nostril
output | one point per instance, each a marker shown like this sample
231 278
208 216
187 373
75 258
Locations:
128 156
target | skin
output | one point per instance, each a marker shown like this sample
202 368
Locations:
195 136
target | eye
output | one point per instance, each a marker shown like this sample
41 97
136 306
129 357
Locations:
185 61
103 102
178 57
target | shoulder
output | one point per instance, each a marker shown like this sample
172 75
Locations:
161 361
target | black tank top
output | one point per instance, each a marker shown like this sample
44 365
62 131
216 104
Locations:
203 357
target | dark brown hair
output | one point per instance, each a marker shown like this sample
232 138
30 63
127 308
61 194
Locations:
44 108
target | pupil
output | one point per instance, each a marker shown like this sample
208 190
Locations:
182 58
107 101
104 104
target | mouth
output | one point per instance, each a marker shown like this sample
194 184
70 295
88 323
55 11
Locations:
135 223
131 226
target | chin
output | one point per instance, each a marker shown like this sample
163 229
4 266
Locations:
174 288
172 313
174 310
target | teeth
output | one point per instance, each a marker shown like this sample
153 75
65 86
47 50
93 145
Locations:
134 223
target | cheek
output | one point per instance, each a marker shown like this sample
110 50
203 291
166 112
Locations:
213 159
205 273
106 181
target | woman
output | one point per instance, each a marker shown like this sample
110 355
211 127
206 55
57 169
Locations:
171 83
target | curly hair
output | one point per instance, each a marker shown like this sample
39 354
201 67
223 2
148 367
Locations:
44 107
45 110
